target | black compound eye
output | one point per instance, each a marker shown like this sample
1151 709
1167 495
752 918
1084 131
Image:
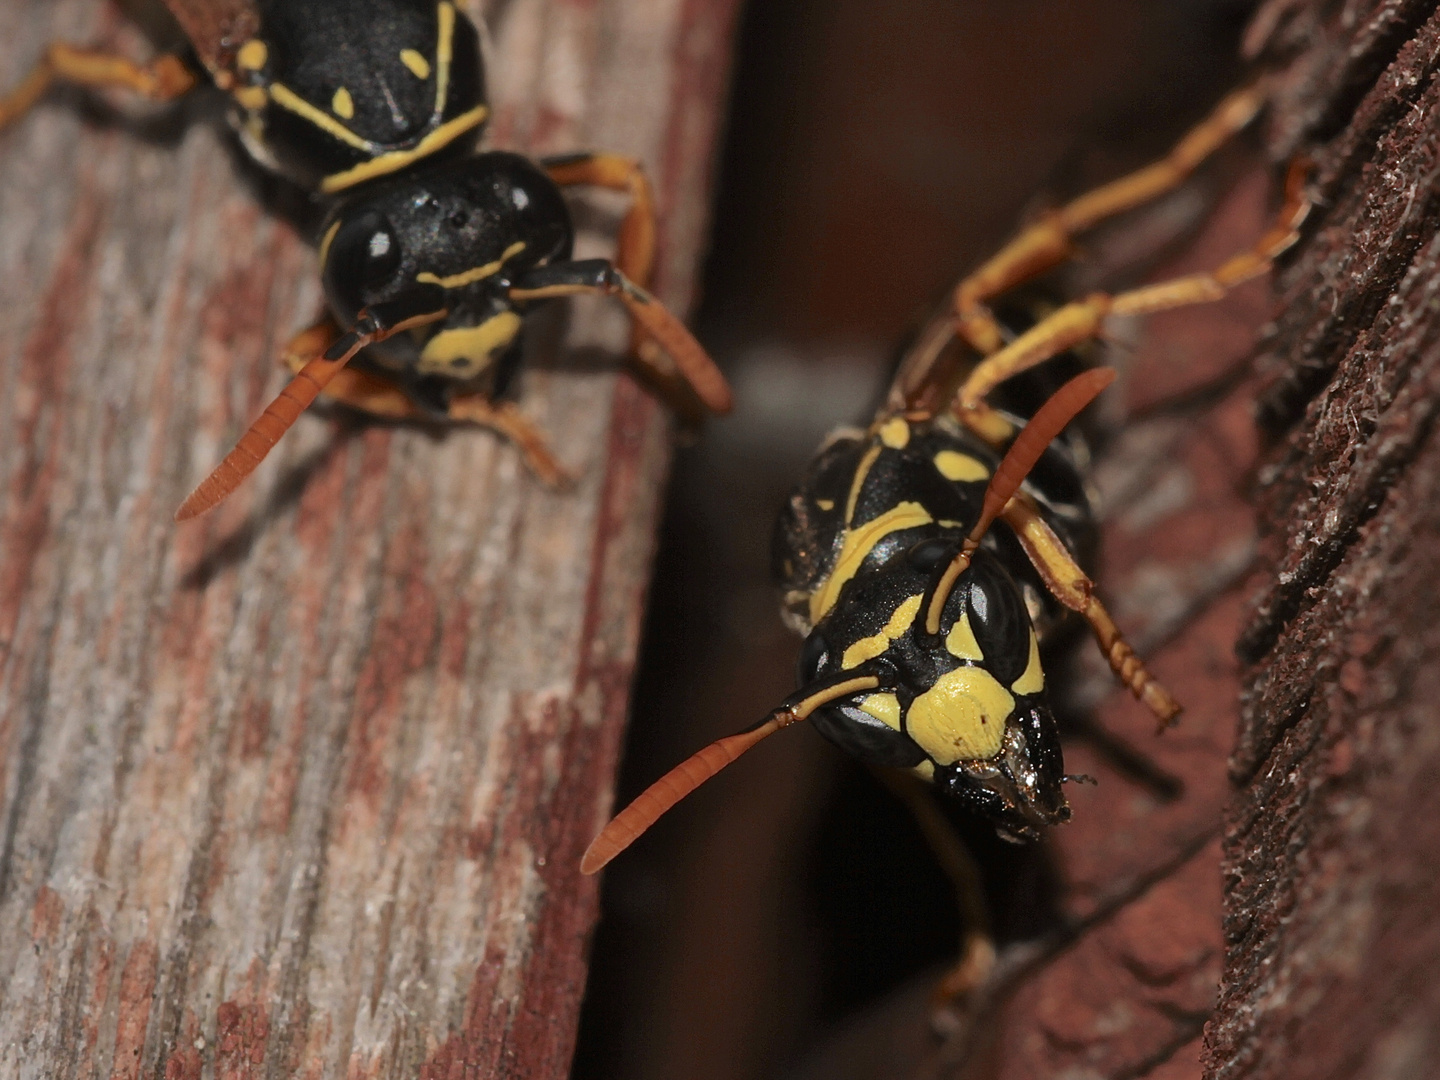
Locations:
813 655
366 251
928 555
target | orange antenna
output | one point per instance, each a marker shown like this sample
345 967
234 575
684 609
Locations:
628 825
371 326
1062 407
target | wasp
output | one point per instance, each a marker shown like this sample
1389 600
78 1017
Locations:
926 558
431 253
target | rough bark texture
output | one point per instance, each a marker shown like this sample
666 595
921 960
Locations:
1332 881
301 790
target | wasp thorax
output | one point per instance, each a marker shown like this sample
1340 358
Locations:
339 92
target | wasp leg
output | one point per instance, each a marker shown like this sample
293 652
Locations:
977 946
1083 319
377 396
163 79
506 419
635 244
358 389
1048 241
634 257
419 306
1069 584
601 276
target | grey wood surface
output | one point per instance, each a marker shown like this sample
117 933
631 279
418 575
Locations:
301 789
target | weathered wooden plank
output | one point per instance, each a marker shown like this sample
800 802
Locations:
301 789
1331 888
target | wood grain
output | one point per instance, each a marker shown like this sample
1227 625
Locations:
301 790
1331 879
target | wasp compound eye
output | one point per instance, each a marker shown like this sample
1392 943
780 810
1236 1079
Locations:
813 656
362 261
931 555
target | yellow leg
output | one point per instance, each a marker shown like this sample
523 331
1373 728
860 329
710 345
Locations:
1083 319
1069 584
380 397
163 79
505 418
635 244
635 258
1048 241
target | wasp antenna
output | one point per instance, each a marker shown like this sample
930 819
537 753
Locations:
631 823
1062 407
417 308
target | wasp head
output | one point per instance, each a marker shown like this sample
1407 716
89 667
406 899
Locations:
964 707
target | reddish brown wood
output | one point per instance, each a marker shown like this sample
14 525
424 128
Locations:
1331 876
301 790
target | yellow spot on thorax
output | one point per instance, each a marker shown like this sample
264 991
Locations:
961 643
342 104
479 273
925 770
895 433
418 65
467 351
287 99
252 55
1033 680
960 467
962 717
858 543
883 707
870 647
825 504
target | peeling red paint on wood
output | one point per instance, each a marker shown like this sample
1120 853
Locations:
314 775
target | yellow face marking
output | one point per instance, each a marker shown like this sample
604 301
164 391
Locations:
252 55
343 105
253 98
469 277
384 164
326 241
925 770
883 707
286 98
1033 681
418 65
444 53
857 544
962 717
961 643
870 647
467 351
961 467
895 433
825 504
855 485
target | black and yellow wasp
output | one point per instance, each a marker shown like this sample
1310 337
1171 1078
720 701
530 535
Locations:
923 625
376 106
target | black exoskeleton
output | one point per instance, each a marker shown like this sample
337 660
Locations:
376 106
